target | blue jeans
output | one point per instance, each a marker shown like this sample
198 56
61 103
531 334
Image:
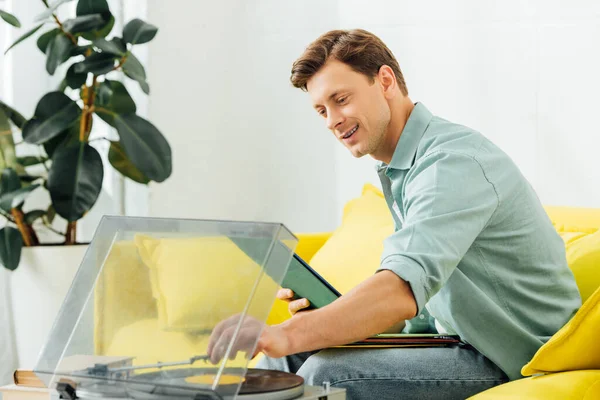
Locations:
395 373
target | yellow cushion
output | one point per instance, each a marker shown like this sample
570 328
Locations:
135 340
117 304
353 252
583 256
197 282
574 219
575 346
581 385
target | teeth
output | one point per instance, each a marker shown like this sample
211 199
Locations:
347 135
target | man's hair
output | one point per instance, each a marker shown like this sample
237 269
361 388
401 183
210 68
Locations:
360 50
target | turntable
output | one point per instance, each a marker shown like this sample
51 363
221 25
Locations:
149 297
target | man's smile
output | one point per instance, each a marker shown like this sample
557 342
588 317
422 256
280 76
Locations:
349 133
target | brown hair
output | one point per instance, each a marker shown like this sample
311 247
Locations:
361 50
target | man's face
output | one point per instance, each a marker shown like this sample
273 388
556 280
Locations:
353 107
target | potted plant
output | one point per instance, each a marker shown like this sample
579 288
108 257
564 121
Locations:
63 121
67 166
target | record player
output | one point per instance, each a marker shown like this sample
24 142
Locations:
152 294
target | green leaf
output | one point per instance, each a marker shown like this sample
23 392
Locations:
97 64
115 46
50 214
68 137
62 86
135 70
137 32
15 199
102 32
11 244
5 128
145 87
13 115
33 215
28 161
11 19
113 96
24 36
29 178
54 113
8 156
119 160
84 23
75 80
146 147
9 181
49 11
80 50
86 7
59 51
75 180
45 39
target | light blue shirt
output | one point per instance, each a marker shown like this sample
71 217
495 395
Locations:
474 242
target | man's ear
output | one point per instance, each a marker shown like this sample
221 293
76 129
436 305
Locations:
387 79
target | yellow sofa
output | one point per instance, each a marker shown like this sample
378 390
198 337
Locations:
567 367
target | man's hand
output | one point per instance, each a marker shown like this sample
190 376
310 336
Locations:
294 306
273 340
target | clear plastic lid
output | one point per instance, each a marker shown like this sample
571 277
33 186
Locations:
150 297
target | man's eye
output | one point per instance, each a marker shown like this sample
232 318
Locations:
321 112
342 100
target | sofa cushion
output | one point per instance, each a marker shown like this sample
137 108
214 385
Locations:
353 252
136 339
581 385
197 282
575 346
583 256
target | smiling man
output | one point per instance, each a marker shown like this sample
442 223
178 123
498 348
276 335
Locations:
473 252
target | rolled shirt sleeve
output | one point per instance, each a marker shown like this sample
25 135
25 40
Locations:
445 200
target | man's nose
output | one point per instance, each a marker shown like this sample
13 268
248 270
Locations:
333 120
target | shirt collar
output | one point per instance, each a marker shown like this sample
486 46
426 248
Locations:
413 131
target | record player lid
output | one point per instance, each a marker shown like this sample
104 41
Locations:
149 295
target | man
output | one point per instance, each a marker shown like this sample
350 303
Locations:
473 246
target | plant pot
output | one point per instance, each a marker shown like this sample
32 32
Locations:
37 290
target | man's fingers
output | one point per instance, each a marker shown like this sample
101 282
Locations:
245 341
218 331
298 305
285 294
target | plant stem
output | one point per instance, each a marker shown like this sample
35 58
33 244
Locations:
88 109
60 25
71 235
29 236
121 62
50 228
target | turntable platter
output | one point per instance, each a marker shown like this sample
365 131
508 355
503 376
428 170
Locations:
187 383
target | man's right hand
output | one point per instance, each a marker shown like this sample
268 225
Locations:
294 306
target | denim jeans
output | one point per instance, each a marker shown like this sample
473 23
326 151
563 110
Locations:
395 373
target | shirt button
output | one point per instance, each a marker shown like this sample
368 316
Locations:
421 316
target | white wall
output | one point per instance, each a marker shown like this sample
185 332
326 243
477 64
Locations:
246 144
524 73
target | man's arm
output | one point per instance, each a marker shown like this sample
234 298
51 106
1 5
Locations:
373 306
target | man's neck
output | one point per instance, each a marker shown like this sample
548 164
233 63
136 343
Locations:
400 112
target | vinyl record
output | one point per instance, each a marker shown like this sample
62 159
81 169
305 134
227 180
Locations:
188 382
264 381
